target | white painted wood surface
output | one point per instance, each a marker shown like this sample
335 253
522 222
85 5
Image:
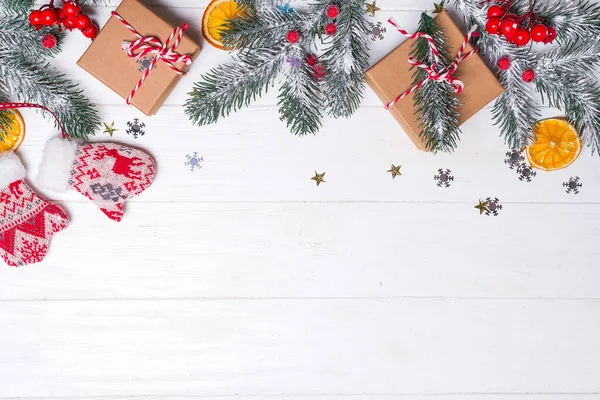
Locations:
244 280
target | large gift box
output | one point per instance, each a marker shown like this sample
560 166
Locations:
107 60
392 76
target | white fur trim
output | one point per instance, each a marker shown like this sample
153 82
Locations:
55 169
11 169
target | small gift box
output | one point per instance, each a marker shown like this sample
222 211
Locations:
393 76
140 56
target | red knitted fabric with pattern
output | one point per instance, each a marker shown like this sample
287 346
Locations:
27 223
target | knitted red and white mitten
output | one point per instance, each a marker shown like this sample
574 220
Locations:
26 221
107 173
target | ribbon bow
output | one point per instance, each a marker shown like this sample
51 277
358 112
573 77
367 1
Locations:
433 74
165 52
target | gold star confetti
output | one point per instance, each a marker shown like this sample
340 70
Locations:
109 129
438 8
395 171
483 206
372 8
319 178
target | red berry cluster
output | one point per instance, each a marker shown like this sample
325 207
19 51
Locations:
318 69
69 16
332 11
519 30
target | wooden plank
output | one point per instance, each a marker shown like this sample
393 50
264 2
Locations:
267 348
316 250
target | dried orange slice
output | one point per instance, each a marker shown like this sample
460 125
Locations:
215 16
15 132
556 145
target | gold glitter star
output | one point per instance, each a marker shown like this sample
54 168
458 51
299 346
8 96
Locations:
109 129
438 8
395 171
483 206
372 8
319 178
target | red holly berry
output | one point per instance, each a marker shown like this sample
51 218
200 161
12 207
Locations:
332 11
49 41
311 59
528 75
504 63
551 35
71 9
49 17
493 25
61 15
319 72
522 37
69 23
35 18
330 29
293 36
82 22
539 33
90 32
509 27
495 11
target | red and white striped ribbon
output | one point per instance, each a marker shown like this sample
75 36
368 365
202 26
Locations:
150 45
443 75
6 106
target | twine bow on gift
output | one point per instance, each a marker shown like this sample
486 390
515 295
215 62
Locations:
433 74
150 45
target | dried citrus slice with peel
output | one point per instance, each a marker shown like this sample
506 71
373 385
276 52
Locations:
15 132
556 145
215 16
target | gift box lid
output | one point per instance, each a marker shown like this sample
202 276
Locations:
106 60
392 76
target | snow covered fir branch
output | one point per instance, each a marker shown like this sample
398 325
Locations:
437 103
25 74
563 76
272 46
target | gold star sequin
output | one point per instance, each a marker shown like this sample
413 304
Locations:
319 178
395 171
483 206
372 8
438 8
109 129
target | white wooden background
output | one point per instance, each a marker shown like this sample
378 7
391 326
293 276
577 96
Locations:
244 280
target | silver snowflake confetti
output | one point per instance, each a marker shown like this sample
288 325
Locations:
144 63
135 128
514 158
193 161
572 185
526 173
493 206
377 31
443 177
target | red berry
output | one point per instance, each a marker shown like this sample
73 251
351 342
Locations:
512 16
90 32
82 22
522 37
49 41
71 9
293 37
495 11
539 33
35 18
528 75
319 72
69 23
311 59
509 27
504 63
330 29
493 26
61 15
332 11
551 35
49 17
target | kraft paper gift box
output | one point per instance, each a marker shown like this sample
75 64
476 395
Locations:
393 75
